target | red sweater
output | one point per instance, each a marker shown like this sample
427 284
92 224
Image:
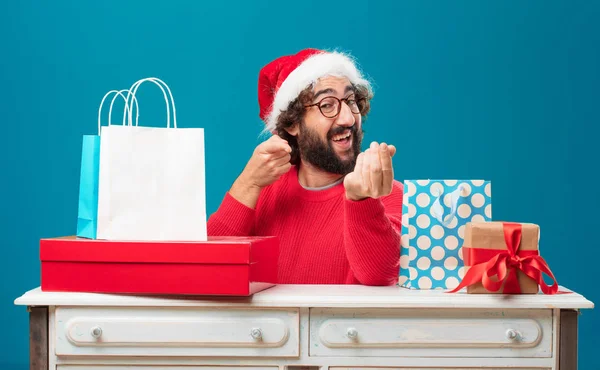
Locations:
324 238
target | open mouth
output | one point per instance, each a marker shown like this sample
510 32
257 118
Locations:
343 140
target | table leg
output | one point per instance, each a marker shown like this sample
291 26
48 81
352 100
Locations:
568 340
38 338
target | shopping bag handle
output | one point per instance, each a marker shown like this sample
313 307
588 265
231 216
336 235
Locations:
127 108
133 89
137 108
437 210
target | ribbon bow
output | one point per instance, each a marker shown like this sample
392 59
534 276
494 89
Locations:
486 263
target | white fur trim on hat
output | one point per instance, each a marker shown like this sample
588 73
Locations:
307 73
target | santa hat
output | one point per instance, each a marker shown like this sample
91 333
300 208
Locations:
281 81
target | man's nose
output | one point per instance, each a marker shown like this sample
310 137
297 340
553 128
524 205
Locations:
345 118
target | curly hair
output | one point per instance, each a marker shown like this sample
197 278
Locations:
295 113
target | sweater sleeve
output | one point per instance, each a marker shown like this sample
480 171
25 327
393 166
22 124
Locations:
231 219
372 237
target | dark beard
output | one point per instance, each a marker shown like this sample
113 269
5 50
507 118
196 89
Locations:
321 154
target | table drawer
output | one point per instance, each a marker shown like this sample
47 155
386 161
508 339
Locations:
438 368
132 331
162 367
431 333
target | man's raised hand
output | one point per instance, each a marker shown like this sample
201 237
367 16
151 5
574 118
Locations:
270 160
373 174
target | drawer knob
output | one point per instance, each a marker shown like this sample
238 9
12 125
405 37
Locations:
352 333
256 333
512 334
96 332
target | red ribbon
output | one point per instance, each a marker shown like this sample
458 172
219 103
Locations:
487 263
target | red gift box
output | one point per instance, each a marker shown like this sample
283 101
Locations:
503 257
236 266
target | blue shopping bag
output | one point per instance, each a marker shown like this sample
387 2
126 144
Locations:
87 216
87 213
434 216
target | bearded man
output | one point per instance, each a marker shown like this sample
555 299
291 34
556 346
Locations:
337 211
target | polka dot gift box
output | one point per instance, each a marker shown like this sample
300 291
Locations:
434 216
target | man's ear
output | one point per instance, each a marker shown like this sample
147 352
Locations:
293 129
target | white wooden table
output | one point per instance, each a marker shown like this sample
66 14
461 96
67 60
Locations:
293 327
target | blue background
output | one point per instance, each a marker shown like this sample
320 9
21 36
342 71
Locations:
506 91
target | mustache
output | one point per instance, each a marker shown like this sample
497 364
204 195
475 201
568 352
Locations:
340 130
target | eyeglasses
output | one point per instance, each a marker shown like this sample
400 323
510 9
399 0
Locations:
331 106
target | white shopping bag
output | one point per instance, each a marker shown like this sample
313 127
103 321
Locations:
152 180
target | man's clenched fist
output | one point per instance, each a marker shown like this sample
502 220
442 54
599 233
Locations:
270 160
